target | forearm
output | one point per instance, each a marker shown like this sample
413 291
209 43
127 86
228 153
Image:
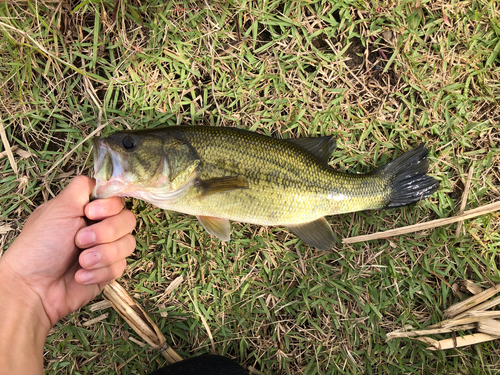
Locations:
23 328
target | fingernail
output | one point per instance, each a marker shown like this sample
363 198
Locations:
95 210
86 237
85 276
91 259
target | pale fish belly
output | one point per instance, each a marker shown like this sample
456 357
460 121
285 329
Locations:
257 206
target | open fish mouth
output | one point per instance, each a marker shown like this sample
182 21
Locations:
108 171
100 154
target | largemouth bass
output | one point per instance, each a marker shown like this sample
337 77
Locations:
222 174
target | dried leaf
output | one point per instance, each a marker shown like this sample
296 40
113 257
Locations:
5 228
8 149
456 289
471 287
23 154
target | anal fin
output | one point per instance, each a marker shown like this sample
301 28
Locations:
317 233
216 226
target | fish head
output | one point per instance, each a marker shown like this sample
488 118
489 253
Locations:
134 164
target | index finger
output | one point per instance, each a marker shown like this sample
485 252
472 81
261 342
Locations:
102 208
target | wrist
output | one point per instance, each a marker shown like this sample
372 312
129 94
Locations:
23 327
16 296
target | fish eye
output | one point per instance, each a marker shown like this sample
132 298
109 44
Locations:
129 143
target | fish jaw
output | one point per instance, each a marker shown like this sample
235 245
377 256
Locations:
108 171
108 189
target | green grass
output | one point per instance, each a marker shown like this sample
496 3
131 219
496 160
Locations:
304 68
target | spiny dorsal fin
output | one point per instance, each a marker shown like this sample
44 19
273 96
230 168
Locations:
317 233
221 185
217 227
321 147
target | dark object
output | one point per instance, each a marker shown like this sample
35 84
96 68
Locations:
203 365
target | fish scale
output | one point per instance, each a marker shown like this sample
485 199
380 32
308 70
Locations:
279 173
248 177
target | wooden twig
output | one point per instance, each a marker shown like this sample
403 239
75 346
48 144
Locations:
429 225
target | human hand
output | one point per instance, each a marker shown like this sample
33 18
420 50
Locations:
45 264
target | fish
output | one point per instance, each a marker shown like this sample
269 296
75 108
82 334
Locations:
222 174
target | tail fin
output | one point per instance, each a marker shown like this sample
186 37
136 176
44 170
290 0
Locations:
407 178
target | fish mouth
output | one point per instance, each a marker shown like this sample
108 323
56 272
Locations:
108 171
100 153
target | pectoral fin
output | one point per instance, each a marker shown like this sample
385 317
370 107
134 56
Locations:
217 227
317 233
221 185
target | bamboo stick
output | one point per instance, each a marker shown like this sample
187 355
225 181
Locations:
471 301
484 314
490 327
422 332
140 322
423 226
459 342
101 305
95 320
457 322
481 307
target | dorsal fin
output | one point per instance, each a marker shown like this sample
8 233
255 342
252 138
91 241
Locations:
321 147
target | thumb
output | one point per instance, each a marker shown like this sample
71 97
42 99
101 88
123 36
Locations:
78 190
